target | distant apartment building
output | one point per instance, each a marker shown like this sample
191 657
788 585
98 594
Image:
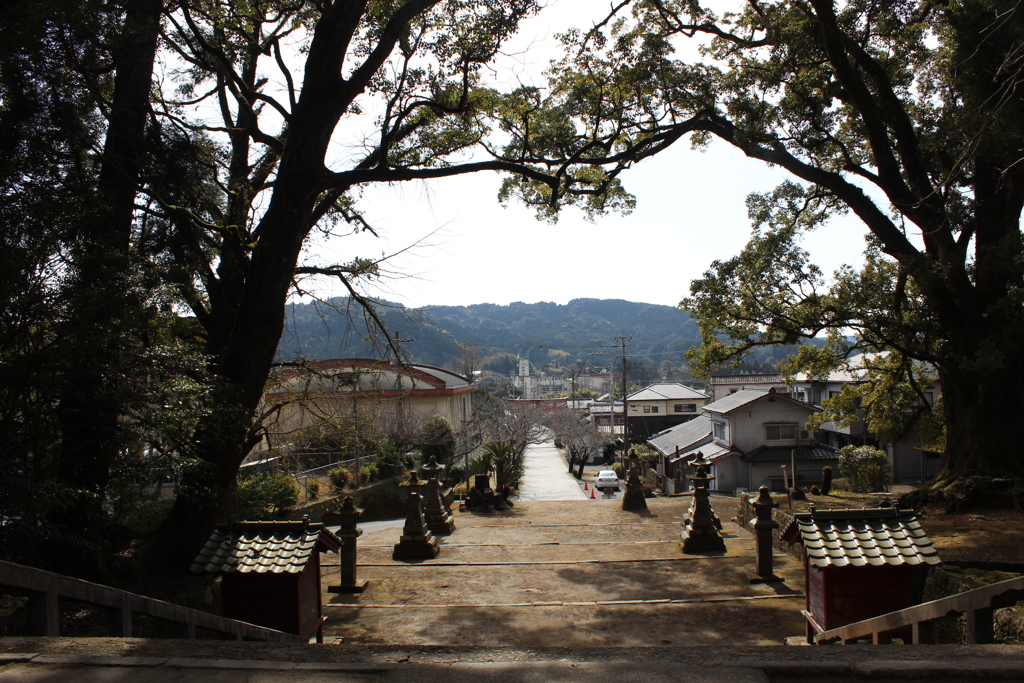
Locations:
536 385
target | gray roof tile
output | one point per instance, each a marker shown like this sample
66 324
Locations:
874 537
263 547
667 391
684 436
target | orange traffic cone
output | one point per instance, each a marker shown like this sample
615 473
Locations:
591 494
585 486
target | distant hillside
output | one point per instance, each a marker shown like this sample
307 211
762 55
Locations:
584 329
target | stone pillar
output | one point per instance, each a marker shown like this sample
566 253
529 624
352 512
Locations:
416 543
634 498
348 515
763 527
700 534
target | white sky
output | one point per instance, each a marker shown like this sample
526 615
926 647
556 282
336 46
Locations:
690 211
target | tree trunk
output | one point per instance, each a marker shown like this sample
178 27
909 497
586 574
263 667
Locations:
983 408
102 308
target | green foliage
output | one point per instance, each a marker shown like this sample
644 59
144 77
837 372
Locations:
481 461
865 469
901 114
265 496
369 473
436 437
339 477
313 487
502 363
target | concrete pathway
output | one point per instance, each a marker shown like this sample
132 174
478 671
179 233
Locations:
546 475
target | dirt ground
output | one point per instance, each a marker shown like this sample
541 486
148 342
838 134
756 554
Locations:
568 573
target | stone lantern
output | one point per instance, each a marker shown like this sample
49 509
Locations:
700 531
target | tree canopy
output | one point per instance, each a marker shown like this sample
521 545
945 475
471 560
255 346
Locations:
906 115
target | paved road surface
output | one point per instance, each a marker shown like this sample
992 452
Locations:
546 476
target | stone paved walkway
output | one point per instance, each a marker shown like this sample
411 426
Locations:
569 573
546 475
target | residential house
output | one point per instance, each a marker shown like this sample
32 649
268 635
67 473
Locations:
677 445
723 385
909 460
752 434
607 416
659 406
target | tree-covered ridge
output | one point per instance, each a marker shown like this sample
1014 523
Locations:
543 332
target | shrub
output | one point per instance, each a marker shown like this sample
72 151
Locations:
840 484
339 477
866 469
620 471
313 488
369 472
266 496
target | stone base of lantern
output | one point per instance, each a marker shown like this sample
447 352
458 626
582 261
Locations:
701 541
440 524
416 548
357 587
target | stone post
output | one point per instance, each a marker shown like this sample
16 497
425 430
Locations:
700 534
348 515
416 543
763 527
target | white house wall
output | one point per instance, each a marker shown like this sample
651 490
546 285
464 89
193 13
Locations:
747 423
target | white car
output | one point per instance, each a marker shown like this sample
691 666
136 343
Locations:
606 480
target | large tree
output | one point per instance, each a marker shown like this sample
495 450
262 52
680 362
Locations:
907 115
273 115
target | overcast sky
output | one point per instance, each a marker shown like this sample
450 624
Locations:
690 211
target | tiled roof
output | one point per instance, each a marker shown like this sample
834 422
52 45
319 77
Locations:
814 451
878 536
684 436
263 547
736 400
667 392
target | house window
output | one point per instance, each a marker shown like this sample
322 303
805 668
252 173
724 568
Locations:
654 409
647 409
718 430
686 407
780 432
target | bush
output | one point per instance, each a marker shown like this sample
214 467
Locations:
369 472
841 484
313 487
620 471
266 496
866 469
339 477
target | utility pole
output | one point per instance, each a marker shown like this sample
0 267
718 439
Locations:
623 343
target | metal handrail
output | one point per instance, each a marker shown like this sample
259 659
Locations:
49 587
978 604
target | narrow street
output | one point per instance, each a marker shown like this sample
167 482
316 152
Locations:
546 475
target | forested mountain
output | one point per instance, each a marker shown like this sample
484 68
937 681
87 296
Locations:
582 330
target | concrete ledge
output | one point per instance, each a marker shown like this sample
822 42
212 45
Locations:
249 664
99 660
